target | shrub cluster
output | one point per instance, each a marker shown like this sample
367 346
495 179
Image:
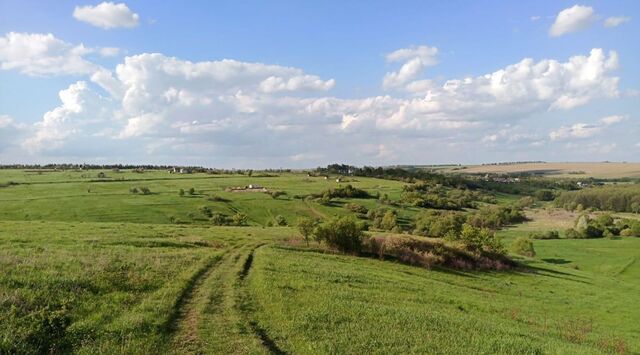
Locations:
438 223
358 209
523 246
605 198
430 253
544 195
586 227
495 217
384 219
347 191
478 239
276 193
341 233
545 235
238 219
142 190
278 221
629 227
429 195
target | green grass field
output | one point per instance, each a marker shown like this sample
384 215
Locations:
88 267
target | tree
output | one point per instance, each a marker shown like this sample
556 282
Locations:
192 191
523 246
478 239
342 233
276 194
206 211
389 220
240 219
218 219
181 192
279 220
326 198
306 226
544 195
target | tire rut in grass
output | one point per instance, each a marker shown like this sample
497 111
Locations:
183 322
268 343
222 326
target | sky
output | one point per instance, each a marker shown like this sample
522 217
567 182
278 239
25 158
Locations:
299 84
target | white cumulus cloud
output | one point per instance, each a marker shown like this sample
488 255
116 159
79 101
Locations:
171 107
79 107
585 130
616 21
578 130
613 119
415 59
107 15
42 55
572 19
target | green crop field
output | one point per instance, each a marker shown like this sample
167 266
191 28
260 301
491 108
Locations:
87 266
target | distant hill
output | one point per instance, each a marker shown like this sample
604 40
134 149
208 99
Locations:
598 170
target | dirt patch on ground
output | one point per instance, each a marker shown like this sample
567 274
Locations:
548 219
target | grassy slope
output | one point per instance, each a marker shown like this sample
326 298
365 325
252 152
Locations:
122 287
76 198
313 302
157 287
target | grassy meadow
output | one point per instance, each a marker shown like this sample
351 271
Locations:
87 266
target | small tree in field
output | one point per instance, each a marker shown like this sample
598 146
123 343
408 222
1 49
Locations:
306 226
342 233
477 239
181 192
240 219
523 246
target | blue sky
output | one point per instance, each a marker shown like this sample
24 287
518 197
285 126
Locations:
307 82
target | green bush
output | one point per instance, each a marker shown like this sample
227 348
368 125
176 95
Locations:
279 220
523 246
342 233
305 227
240 219
383 218
218 219
571 233
544 195
205 210
478 239
604 198
356 208
495 217
629 227
344 192
275 194
545 235
437 224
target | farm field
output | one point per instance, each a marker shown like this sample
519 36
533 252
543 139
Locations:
87 266
604 170
82 195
